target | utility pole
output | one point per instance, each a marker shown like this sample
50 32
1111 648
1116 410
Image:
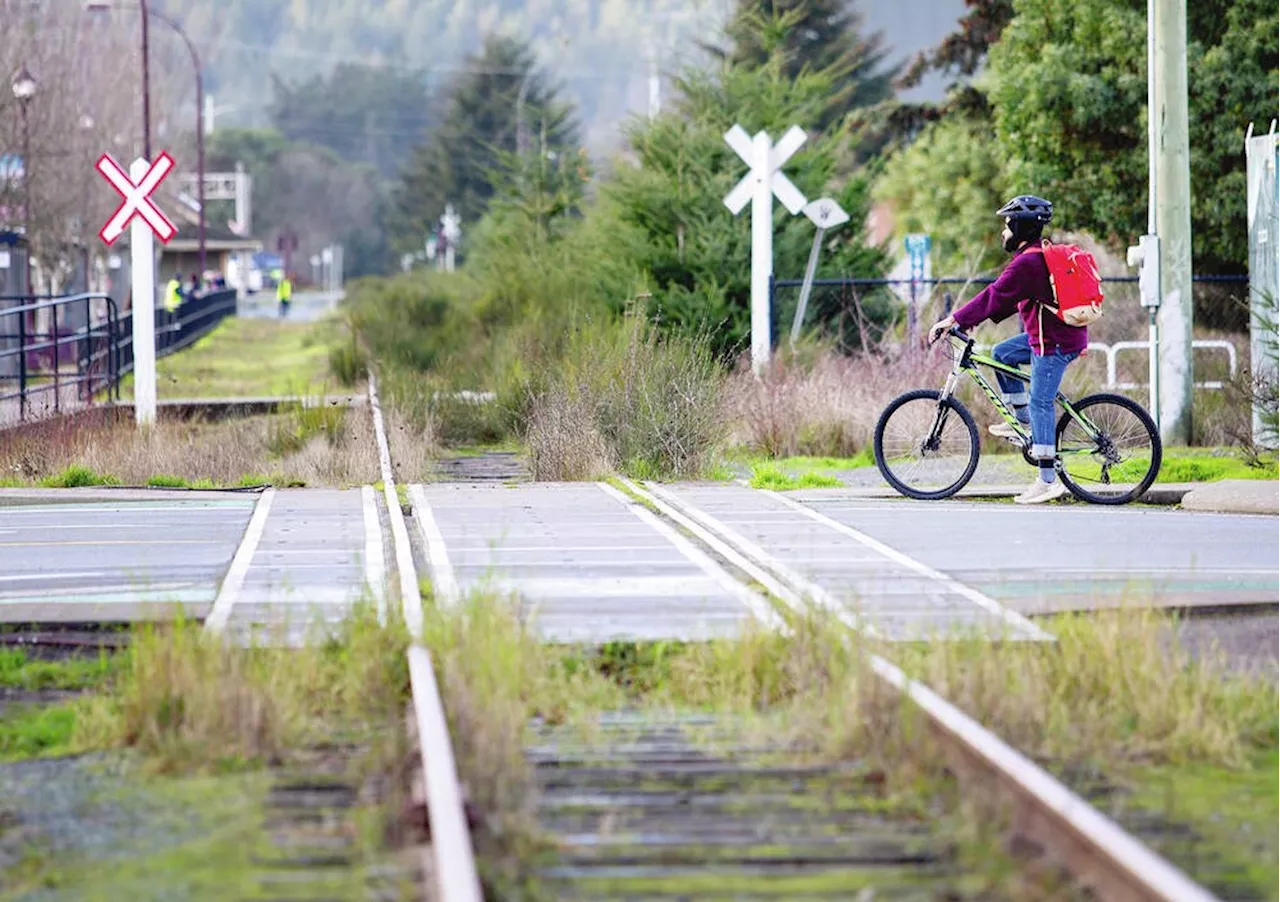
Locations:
1173 219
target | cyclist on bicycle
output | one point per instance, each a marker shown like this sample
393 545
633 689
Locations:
1046 342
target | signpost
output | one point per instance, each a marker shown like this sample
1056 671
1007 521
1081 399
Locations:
825 213
759 185
918 247
145 221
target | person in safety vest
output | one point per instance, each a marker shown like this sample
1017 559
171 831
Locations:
284 293
173 294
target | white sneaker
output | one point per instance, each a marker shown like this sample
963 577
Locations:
1004 430
1040 491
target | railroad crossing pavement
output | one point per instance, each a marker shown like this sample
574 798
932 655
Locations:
100 559
280 561
306 558
1074 557
587 563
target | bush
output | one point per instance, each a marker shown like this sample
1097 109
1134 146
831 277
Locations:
625 395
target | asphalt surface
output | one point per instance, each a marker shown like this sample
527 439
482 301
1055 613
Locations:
589 566
109 560
1041 559
307 306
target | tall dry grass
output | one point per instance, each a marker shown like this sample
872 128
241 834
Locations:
821 402
295 447
188 701
623 396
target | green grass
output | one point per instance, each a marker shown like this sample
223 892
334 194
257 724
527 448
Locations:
30 731
768 476
18 671
246 358
165 481
1233 811
1190 466
77 476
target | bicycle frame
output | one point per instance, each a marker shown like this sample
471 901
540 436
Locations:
968 362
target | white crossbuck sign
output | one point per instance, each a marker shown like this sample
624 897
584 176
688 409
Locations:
759 186
137 198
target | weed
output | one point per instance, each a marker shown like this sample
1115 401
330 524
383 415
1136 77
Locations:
166 481
766 476
18 671
77 476
32 731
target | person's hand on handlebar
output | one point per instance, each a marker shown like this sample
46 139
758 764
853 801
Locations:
939 327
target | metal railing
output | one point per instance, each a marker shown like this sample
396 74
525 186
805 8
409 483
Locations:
41 338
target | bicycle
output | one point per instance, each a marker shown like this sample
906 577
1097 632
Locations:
926 442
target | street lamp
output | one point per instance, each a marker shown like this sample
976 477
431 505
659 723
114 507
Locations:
24 88
146 103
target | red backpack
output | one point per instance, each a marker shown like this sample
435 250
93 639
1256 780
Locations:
1077 286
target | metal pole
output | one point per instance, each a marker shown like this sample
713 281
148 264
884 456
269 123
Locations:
195 62
143 261
761 252
1173 220
1153 329
807 287
146 86
26 195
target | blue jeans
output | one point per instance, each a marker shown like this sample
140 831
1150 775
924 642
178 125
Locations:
1034 406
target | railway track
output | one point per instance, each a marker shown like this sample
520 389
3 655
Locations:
677 806
644 800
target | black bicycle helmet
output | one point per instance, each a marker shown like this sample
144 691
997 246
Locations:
1027 207
1027 216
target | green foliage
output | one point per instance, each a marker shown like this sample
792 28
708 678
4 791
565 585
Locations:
19 671
459 162
768 476
365 114
1068 89
668 210
31 731
308 189
948 183
814 36
77 476
166 481
299 422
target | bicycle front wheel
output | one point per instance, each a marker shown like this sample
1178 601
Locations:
1111 452
926 448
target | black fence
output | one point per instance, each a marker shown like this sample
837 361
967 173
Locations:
61 353
856 312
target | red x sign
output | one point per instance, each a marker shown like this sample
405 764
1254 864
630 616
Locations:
137 198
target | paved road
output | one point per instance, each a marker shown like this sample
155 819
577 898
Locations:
307 306
116 560
589 565
1042 559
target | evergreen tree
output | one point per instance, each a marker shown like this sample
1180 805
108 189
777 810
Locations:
503 105
366 114
815 36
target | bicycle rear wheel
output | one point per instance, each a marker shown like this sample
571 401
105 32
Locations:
926 449
1114 455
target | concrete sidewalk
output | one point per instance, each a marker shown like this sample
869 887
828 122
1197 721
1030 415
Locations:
1230 496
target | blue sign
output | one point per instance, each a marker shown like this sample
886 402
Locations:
11 167
918 246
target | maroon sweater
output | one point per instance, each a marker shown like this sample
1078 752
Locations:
1024 282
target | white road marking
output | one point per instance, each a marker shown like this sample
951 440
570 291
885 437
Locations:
754 602
758 559
443 579
231 584
63 574
1011 618
375 565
